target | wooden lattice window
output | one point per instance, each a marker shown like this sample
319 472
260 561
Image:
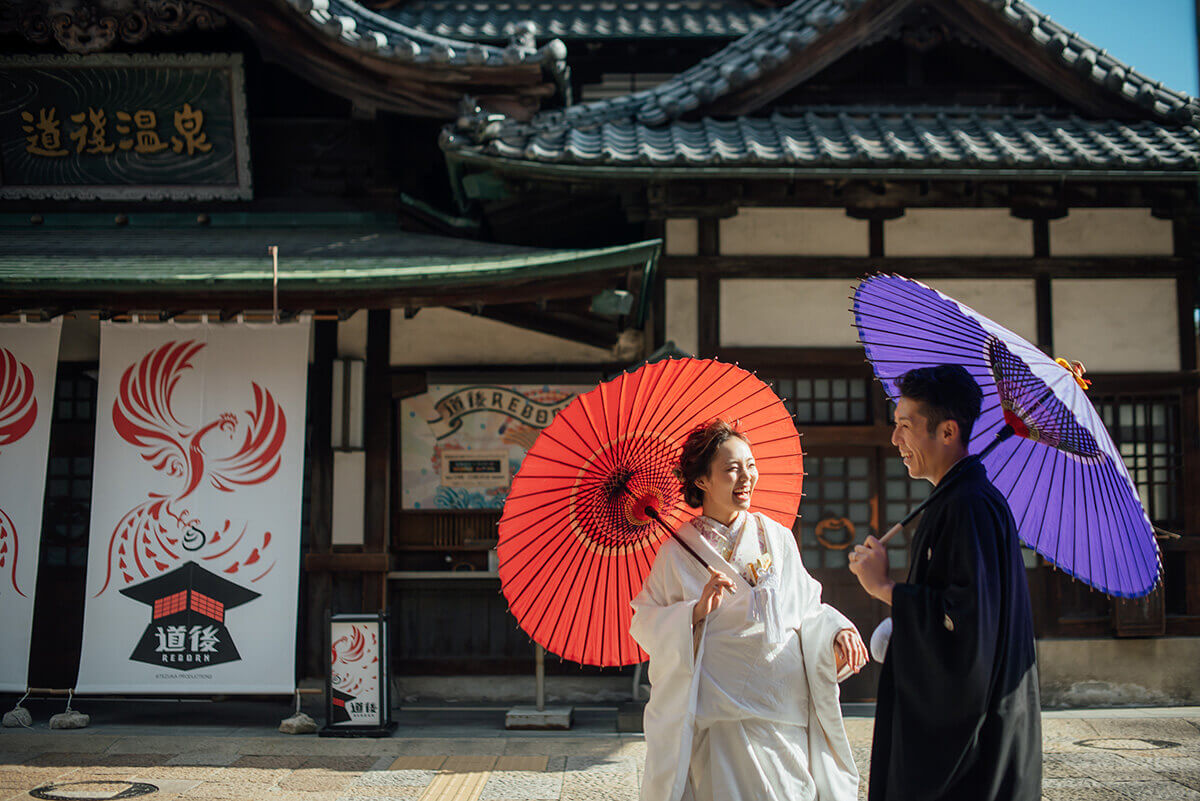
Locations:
1146 430
825 401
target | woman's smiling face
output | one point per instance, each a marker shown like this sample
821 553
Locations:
729 485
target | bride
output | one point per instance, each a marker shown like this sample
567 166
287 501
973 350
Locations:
744 657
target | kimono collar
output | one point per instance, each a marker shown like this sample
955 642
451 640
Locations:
738 520
966 465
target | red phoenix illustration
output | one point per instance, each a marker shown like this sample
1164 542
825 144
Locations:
18 412
348 649
159 532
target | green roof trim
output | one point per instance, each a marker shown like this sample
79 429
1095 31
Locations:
370 260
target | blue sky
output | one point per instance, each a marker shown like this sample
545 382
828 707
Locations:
1156 37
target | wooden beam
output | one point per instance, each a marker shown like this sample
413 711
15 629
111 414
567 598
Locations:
921 267
346 562
708 290
377 421
1044 311
318 588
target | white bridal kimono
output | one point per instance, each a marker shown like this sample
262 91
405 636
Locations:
746 707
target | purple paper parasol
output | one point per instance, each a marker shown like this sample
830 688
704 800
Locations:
1065 481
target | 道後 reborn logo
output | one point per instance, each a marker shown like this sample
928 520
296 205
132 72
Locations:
187 619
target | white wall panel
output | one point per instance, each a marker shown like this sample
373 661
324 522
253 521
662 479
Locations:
793 232
683 237
1111 232
787 313
958 232
1117 325
682 323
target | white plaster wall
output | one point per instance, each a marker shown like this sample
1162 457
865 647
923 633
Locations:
1010 302
682 317
352 336
787 313
1117 325
958 232
683 237
1111 232
793 232
448 337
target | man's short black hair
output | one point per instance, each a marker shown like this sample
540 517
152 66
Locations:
945 392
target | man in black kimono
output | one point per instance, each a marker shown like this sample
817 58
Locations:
958 713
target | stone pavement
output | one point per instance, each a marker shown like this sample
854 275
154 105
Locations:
443 756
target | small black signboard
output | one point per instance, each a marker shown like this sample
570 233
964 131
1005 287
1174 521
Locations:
357 701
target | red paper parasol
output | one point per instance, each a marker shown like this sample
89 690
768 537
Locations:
578 533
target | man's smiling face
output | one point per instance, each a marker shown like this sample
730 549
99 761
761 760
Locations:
921 450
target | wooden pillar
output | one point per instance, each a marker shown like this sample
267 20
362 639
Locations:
377 426
318 586
708 291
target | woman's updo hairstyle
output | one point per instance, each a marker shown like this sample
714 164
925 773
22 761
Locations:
697 454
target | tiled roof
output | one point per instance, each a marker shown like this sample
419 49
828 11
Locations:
629 123
486 20
352 24
904 138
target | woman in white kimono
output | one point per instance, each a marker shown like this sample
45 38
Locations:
744 657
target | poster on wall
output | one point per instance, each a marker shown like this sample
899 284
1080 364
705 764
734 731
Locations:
28 364
194 553
462 444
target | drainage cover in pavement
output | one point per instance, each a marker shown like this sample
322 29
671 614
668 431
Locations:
1127 744
92 791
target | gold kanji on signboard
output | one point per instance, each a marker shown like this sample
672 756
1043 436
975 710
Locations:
92 133
45 135
146 136
188 122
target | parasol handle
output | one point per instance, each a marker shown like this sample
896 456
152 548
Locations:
652 513
1001 435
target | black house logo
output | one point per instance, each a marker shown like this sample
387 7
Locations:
187 619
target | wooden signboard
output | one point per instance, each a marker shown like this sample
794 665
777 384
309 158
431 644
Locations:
124 127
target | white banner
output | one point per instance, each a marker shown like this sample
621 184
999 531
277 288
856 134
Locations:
194 550
28 364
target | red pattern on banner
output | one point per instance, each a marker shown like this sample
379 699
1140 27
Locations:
150 537
170 605
18 412
209 607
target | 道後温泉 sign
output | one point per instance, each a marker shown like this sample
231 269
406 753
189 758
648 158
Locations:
193 558
124 127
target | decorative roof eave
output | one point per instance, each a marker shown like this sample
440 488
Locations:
1020 144
379 64
585 20
809 35
675 172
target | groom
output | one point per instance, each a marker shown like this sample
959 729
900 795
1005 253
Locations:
958 715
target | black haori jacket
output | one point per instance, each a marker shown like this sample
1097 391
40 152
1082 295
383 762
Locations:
958 715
